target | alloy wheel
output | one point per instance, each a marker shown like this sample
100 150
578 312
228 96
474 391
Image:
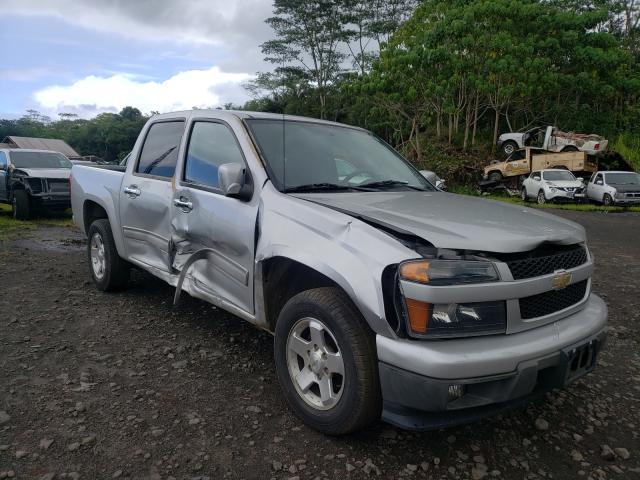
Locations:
315 363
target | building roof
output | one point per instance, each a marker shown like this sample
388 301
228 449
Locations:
54 144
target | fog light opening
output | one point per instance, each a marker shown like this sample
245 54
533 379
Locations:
456 391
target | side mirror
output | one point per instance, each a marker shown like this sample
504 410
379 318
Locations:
430 176
537 179
3 166
231 178
599 182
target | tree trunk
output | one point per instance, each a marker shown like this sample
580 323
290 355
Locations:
467 123
495 129
438 124
450 128
475 119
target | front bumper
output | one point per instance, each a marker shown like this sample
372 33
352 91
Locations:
626 200
498 372
52 200
561 195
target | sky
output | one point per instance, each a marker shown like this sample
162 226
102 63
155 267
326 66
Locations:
92 56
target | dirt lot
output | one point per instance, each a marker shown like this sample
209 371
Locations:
125 385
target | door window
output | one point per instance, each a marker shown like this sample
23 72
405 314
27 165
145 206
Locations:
3 161
160 150
211 144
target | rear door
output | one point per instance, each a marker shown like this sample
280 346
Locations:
204 218
145 199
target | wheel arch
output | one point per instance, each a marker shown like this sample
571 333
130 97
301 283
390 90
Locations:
92 211
283 277
280 277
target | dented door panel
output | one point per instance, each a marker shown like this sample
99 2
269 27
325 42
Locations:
146 220
225 228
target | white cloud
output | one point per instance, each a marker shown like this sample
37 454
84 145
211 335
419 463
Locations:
237 26
192 88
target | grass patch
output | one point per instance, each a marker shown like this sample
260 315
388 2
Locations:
578 207
10 228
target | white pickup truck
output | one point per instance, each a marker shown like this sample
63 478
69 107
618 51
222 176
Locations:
552 139
386 296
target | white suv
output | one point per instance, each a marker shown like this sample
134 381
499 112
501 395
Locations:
552 184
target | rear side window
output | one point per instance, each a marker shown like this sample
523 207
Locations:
160 150
211 145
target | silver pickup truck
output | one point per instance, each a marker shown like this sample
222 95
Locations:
386 296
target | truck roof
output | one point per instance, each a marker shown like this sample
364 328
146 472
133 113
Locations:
222 114
27 150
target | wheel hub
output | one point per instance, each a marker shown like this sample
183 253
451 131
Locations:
98 258
315 363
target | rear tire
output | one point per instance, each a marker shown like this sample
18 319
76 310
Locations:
108 270
523 195
570 148
21 205
509 147
318 326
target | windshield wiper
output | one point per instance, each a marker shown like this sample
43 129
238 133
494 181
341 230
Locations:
314 187
390 184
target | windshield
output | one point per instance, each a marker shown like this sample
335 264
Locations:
39 160
320 156
558 175
623 178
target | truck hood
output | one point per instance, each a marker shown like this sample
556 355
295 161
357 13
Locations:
626 188
453 221
45 172
511 136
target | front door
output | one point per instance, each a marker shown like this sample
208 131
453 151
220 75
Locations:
3 177
596 187
145 199
206 220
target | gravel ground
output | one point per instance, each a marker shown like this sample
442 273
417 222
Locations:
126 386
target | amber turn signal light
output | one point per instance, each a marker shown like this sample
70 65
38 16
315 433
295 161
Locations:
415 271
418 313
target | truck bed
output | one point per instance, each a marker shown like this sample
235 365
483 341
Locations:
100 184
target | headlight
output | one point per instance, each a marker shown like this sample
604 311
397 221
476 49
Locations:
448 272
428 320
553 190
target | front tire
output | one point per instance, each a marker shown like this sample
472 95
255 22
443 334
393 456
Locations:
21 205
542 199
326 362
495 176
607 201
108 270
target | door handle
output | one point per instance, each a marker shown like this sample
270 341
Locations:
185 205
132 191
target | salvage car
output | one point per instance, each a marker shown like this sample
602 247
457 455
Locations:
555 184
552 139
34 179
614 188
386 297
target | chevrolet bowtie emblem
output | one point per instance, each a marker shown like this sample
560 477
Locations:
561 280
